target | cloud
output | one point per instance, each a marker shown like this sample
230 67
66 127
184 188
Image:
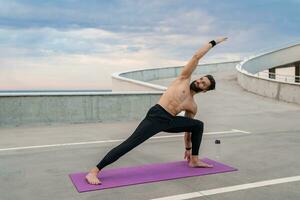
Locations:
76 71
48 58
187 22
78 44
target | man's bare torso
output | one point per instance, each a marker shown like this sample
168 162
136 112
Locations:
178 97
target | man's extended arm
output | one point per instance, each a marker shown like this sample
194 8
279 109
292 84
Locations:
192 64
187 135
187 140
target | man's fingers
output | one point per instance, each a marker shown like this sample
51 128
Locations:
221 39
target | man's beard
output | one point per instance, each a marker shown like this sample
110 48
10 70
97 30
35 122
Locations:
194 87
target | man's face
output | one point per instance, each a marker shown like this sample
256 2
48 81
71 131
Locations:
200 85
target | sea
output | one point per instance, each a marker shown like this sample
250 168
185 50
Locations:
14 91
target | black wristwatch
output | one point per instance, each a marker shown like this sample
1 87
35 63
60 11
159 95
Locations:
186 148
213 43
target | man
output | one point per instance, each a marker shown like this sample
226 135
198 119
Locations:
162 117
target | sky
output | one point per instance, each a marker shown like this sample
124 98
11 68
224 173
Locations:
75 44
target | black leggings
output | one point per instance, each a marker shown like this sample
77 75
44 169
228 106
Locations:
156 120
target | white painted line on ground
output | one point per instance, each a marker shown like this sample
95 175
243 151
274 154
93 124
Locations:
58 145
111 141
231 188
223 132
240 131
181 196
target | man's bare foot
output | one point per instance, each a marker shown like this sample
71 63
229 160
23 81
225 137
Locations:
92 178
195 162
200 164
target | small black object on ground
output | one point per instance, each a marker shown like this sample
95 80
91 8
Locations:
217 141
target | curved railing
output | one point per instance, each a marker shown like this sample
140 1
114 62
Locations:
249 77
279 77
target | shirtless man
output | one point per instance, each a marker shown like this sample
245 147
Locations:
162 117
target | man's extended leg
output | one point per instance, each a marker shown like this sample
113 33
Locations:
155 121
144 131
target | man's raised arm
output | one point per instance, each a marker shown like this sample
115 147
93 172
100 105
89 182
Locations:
192 64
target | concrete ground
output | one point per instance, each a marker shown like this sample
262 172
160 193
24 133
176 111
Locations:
268 152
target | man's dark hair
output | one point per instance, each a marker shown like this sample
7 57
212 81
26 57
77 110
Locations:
212 82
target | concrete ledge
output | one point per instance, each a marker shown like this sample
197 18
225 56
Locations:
49 109
289 92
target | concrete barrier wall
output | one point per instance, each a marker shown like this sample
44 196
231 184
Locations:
268 88
289 92
136 80
48 109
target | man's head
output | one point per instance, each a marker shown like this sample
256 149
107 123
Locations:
203 84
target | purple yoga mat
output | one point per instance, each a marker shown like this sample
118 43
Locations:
118 177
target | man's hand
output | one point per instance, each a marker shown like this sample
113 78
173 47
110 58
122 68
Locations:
221 39
188 155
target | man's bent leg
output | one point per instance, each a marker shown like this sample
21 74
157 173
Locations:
184 124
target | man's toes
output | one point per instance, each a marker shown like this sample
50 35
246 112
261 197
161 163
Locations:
95 182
